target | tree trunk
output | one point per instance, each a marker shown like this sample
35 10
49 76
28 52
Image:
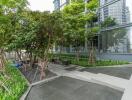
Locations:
32 61
2 60
19 55
43 65
92 55
60 52
77 55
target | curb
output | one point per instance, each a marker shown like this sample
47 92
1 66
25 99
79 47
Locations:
23 97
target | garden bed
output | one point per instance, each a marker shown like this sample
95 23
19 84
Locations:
84 61
33 75
13 84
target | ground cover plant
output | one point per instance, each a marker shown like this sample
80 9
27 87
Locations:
12 84
83 61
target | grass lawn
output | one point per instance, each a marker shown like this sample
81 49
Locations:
12 84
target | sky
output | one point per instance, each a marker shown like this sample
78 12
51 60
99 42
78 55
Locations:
41 5
44 5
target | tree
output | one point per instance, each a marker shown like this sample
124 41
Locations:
75 20
108 22
7 9
49 29
112 37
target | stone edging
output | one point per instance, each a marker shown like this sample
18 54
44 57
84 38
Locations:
106 66
36 83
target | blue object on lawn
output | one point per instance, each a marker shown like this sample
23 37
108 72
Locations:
16 65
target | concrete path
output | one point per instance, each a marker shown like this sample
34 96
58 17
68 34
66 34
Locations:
118 78
122 72
65 88
128 91
97 77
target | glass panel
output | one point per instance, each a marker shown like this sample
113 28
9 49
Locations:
62 2
129 10
116 41
117 13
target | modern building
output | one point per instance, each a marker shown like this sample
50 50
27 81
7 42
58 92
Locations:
60 4
128 19
120 12
116 10
115 42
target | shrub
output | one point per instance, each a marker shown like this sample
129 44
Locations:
13 84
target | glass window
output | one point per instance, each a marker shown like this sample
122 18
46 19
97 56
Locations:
116 41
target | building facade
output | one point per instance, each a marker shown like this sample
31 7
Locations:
113 43
116 10
60 4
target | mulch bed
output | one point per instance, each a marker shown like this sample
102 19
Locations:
30 73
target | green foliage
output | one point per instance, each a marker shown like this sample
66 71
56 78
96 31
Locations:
93 5
75 21
8 21
36 32
84 61
74 24
109 22
15 83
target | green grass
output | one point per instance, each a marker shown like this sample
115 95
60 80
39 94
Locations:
14 82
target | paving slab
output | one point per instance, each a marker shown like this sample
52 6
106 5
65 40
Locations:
65 88
128 91
122 72
103 79
71 68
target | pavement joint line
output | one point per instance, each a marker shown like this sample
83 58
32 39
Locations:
57 73
23 97
128 65
69 67
45 80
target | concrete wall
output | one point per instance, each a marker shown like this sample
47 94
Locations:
108 56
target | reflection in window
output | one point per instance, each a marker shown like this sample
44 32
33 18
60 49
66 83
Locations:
116 41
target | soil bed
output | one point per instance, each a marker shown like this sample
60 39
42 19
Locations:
30 73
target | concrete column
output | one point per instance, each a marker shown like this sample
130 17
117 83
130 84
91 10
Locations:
86 26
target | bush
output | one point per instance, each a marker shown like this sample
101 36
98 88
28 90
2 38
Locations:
84 61
14 84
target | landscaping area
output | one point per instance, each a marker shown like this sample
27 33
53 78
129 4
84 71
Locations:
32 44
33 74
12 84
83 61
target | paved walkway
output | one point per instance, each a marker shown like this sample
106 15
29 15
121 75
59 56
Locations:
65 88
117 80
122 72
